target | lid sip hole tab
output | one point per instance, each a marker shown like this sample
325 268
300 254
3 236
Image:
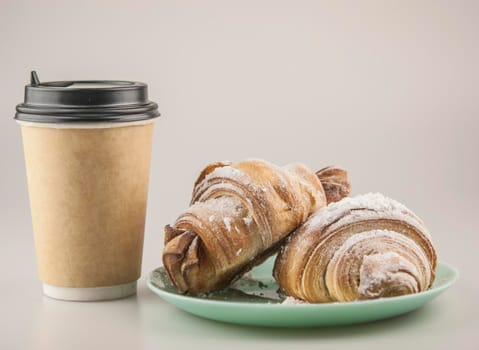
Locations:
34 81
80 101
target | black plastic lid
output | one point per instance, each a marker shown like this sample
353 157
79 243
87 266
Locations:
85 101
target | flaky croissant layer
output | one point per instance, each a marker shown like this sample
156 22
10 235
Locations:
239 215
363 247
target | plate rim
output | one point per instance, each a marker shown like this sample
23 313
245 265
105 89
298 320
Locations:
194 299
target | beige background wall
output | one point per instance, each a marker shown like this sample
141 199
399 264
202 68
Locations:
387 89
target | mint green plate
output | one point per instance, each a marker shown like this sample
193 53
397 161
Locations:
253 300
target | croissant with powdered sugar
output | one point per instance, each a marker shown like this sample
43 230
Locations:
239 215
363 247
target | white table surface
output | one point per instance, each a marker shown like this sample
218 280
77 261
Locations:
33 321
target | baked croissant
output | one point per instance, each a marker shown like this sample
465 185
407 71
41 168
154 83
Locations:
239 215
362 247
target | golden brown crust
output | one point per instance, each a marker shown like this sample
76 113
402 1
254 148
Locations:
239 215
359 248
335 183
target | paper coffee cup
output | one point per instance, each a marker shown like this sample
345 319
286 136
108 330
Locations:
87 151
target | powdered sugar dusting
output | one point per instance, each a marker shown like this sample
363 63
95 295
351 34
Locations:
228 172
248 220
248 275
293 301
225 186
370 236
376 203
377 269
210 181
375 247
227 221
224 205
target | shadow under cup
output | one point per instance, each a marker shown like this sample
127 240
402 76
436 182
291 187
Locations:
88 169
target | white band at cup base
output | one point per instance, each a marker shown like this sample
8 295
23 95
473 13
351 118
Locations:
90 294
